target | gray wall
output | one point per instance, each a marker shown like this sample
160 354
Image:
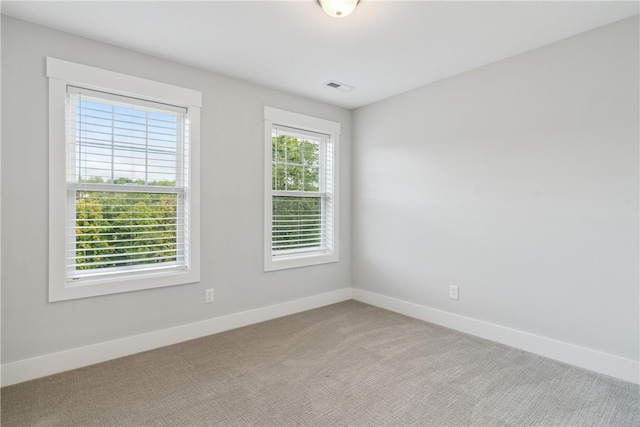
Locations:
231 198
517 182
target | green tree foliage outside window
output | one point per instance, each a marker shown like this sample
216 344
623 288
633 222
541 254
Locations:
118 229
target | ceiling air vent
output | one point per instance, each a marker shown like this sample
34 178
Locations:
340 86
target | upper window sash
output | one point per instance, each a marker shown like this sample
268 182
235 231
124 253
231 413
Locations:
116 138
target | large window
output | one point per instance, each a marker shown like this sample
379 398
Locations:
124 211
301 190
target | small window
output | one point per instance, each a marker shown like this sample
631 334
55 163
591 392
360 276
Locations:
301 190
130 191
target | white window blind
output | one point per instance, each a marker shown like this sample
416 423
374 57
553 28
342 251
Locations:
127 181
302 192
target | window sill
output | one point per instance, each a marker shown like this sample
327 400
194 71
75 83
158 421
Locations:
298 260
105 286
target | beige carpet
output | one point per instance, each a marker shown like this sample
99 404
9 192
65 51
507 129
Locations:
345 364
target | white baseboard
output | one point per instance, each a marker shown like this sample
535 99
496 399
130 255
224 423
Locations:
49 364
608 364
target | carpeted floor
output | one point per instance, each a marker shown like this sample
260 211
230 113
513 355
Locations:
345 364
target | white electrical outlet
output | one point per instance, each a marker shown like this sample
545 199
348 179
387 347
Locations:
208 295
453 292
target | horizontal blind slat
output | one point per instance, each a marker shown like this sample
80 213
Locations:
120 255
117 248
130 261
147 218
137 233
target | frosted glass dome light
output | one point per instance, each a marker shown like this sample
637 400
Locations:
338 8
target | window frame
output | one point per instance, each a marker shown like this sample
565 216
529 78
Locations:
276 117
60 75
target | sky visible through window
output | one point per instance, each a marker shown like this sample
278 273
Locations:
125 145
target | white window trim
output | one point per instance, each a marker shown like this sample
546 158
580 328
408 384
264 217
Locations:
274 116
62 73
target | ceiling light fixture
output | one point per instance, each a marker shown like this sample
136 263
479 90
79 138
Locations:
338 8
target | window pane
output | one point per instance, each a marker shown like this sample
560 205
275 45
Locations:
294 178
297 223
277 176
294 150
311 179
311 153
295 163
125 145
278 148
125 229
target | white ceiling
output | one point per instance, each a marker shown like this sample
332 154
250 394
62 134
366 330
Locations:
383 48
